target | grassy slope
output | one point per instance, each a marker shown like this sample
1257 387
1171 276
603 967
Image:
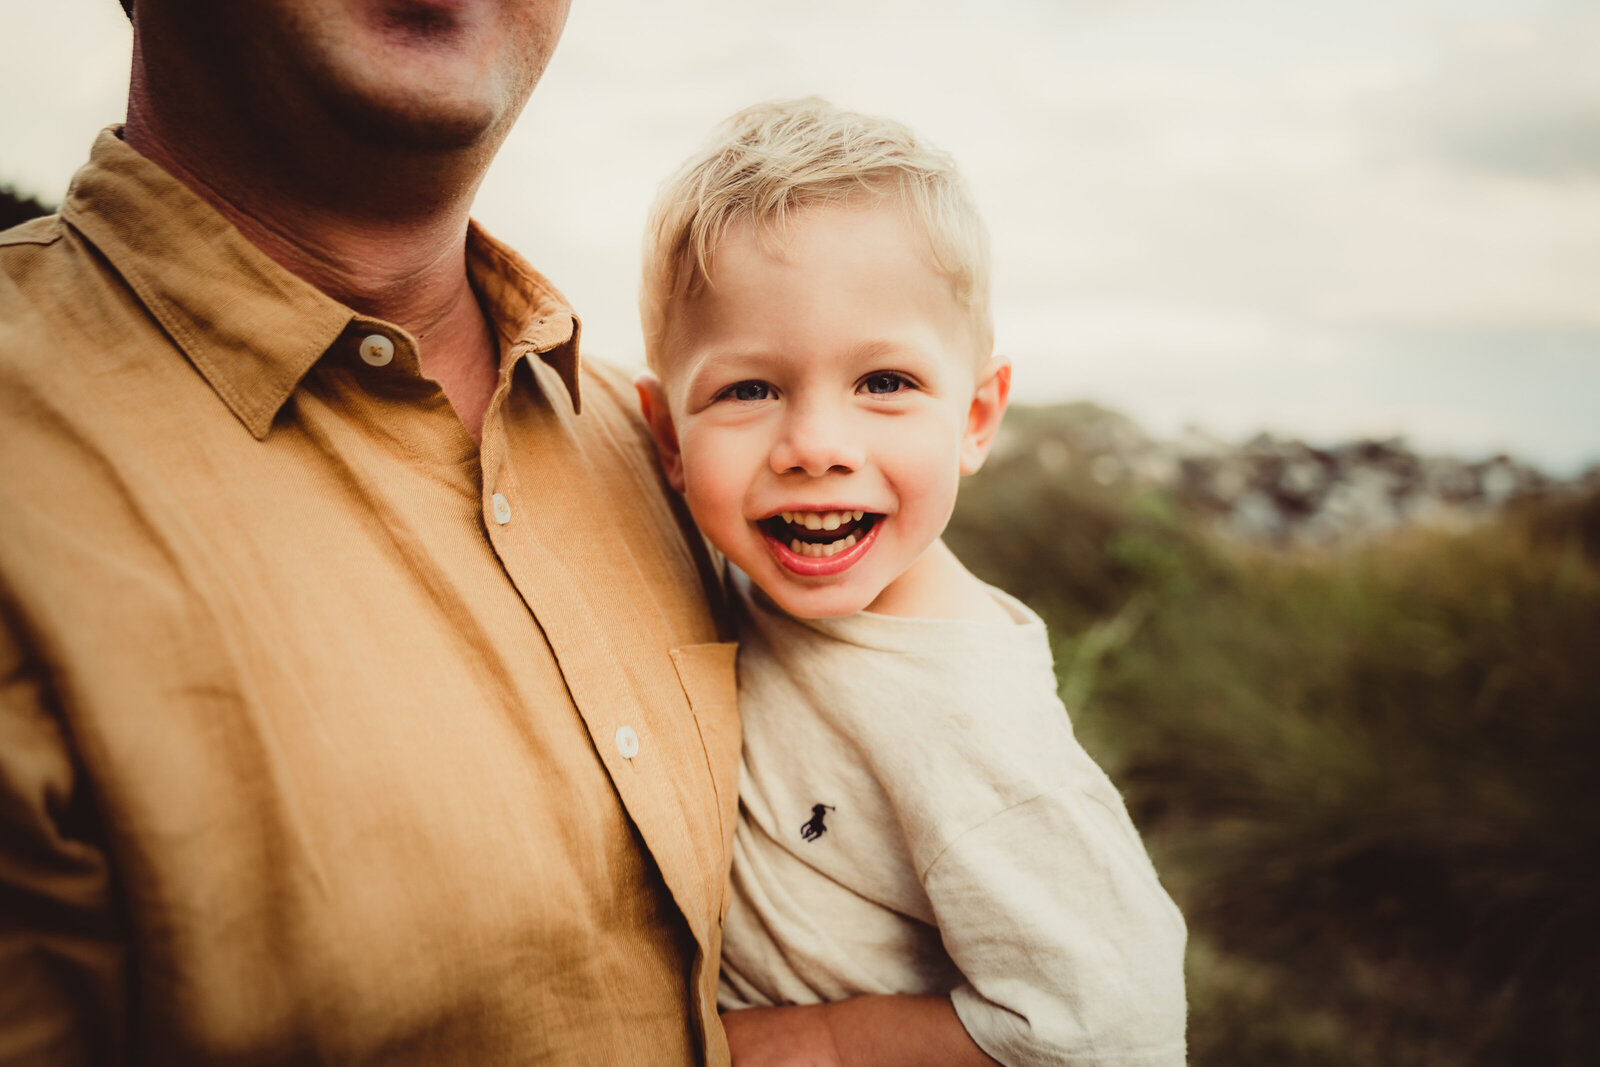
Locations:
1367 776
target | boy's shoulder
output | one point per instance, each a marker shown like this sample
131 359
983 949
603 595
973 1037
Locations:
996 674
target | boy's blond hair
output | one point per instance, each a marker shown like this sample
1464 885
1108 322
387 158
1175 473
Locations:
772 160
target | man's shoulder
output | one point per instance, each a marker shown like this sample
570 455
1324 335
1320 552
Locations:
36 285
64 311
29 265
44 230
606 388
612 379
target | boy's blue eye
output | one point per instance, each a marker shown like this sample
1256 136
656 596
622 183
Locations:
747 391
885 383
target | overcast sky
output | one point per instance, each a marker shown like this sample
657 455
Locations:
1323 219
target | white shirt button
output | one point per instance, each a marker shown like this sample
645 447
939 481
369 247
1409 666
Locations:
627 742
502 509
377 350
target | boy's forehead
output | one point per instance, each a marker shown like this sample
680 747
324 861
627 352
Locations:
813 240
823 279
882 218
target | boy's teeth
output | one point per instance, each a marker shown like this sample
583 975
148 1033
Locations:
806 548
821 520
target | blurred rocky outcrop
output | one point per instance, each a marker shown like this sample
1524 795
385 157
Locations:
1275 491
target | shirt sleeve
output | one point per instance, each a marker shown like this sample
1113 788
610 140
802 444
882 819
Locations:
1071 950
61 966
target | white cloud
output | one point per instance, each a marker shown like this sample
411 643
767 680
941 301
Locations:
1247 187
65 76
1514 97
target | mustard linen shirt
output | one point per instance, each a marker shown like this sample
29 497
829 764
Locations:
324 736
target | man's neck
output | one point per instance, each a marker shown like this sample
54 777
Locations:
408 268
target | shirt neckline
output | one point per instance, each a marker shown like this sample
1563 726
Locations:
249 326
905 634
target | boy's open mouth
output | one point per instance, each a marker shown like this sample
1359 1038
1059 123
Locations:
819 534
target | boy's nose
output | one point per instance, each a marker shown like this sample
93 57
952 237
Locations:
815 442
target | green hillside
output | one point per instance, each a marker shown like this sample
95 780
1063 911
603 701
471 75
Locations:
1366 772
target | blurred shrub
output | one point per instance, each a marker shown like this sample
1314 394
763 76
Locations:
16 207
1366 774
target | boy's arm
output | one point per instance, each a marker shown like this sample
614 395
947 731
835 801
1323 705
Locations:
875 1031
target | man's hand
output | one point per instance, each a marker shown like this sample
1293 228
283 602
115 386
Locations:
782 1037
860 1032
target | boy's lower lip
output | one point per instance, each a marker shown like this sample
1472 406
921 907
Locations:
815 567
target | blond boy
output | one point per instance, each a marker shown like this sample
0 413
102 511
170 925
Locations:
927 867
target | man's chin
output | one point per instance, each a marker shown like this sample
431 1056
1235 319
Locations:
415 122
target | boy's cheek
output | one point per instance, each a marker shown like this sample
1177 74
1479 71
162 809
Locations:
701 489
713 501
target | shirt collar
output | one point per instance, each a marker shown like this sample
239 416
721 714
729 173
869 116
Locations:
529 314
249 326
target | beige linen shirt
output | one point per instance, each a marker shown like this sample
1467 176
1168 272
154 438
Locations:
916 816
324 736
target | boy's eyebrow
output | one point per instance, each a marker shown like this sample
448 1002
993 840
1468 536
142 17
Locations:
863 350
874 349
717 364
717 358
757 359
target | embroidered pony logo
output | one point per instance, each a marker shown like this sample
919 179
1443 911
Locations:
813 827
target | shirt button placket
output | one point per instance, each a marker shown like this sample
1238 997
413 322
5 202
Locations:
377 350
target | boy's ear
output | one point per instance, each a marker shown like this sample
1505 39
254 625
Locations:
653 402
983 416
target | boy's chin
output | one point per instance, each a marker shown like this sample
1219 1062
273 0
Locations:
818 602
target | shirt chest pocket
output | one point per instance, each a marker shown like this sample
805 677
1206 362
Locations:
706 673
